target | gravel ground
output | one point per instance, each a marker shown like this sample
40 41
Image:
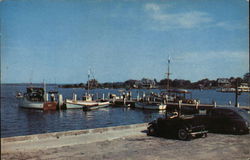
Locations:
214 147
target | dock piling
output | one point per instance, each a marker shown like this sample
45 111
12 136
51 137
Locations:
214 104
74 97
179 107
238 105
60 101
197 105
138 97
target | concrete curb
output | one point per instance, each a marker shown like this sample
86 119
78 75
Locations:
59 139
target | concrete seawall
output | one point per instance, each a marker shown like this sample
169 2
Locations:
59 139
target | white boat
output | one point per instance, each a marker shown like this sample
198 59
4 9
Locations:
25 103
152 106
78 104
244 87
240 89
36 98
100 104
87 103
71 104
226 90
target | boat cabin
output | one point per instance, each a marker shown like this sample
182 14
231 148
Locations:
35 94
87 98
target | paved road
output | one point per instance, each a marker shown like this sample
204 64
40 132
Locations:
140 146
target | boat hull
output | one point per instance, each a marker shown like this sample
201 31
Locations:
78 104
73 106
150 106
24 103
86 105
99 105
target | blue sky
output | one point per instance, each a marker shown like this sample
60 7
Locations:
59 40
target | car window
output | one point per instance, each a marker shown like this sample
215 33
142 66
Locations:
245 115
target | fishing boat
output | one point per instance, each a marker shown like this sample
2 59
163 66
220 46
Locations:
37 98
78 104
100 104
87 102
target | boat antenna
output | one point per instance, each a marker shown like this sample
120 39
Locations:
168 73
88 80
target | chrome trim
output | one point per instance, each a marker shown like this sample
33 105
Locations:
201 132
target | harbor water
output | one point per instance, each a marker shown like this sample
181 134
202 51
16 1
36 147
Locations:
17 121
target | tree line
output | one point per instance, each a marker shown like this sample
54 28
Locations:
173 83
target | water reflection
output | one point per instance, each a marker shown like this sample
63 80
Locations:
88 115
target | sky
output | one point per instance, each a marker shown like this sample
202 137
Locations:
58 41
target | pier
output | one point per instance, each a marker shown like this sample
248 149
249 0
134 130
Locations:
68 138
174 106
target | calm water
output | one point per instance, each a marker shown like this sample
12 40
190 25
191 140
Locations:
16 121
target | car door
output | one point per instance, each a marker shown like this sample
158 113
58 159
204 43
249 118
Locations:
161 125
216 120
232 120
226 120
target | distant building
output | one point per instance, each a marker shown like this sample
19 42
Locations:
223 82
145 83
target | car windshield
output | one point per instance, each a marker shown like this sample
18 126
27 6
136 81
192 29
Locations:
245 115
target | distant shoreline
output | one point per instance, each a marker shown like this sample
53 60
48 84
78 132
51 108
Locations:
145 83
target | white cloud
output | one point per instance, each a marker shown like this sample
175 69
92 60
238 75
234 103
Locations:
214 55
166 20
152 7
229 26
193 19
161 19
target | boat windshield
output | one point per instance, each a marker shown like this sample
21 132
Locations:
35 94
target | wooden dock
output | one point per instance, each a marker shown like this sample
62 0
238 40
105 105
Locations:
174 106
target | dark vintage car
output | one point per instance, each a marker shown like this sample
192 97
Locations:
231 120
181 127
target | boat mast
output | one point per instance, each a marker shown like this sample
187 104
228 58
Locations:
88 81
168 73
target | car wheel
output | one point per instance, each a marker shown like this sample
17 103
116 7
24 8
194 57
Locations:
151 131
183 134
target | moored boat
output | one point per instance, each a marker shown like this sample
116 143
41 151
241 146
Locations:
79 104
242 88
87 103
152 106
37 98
100 104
